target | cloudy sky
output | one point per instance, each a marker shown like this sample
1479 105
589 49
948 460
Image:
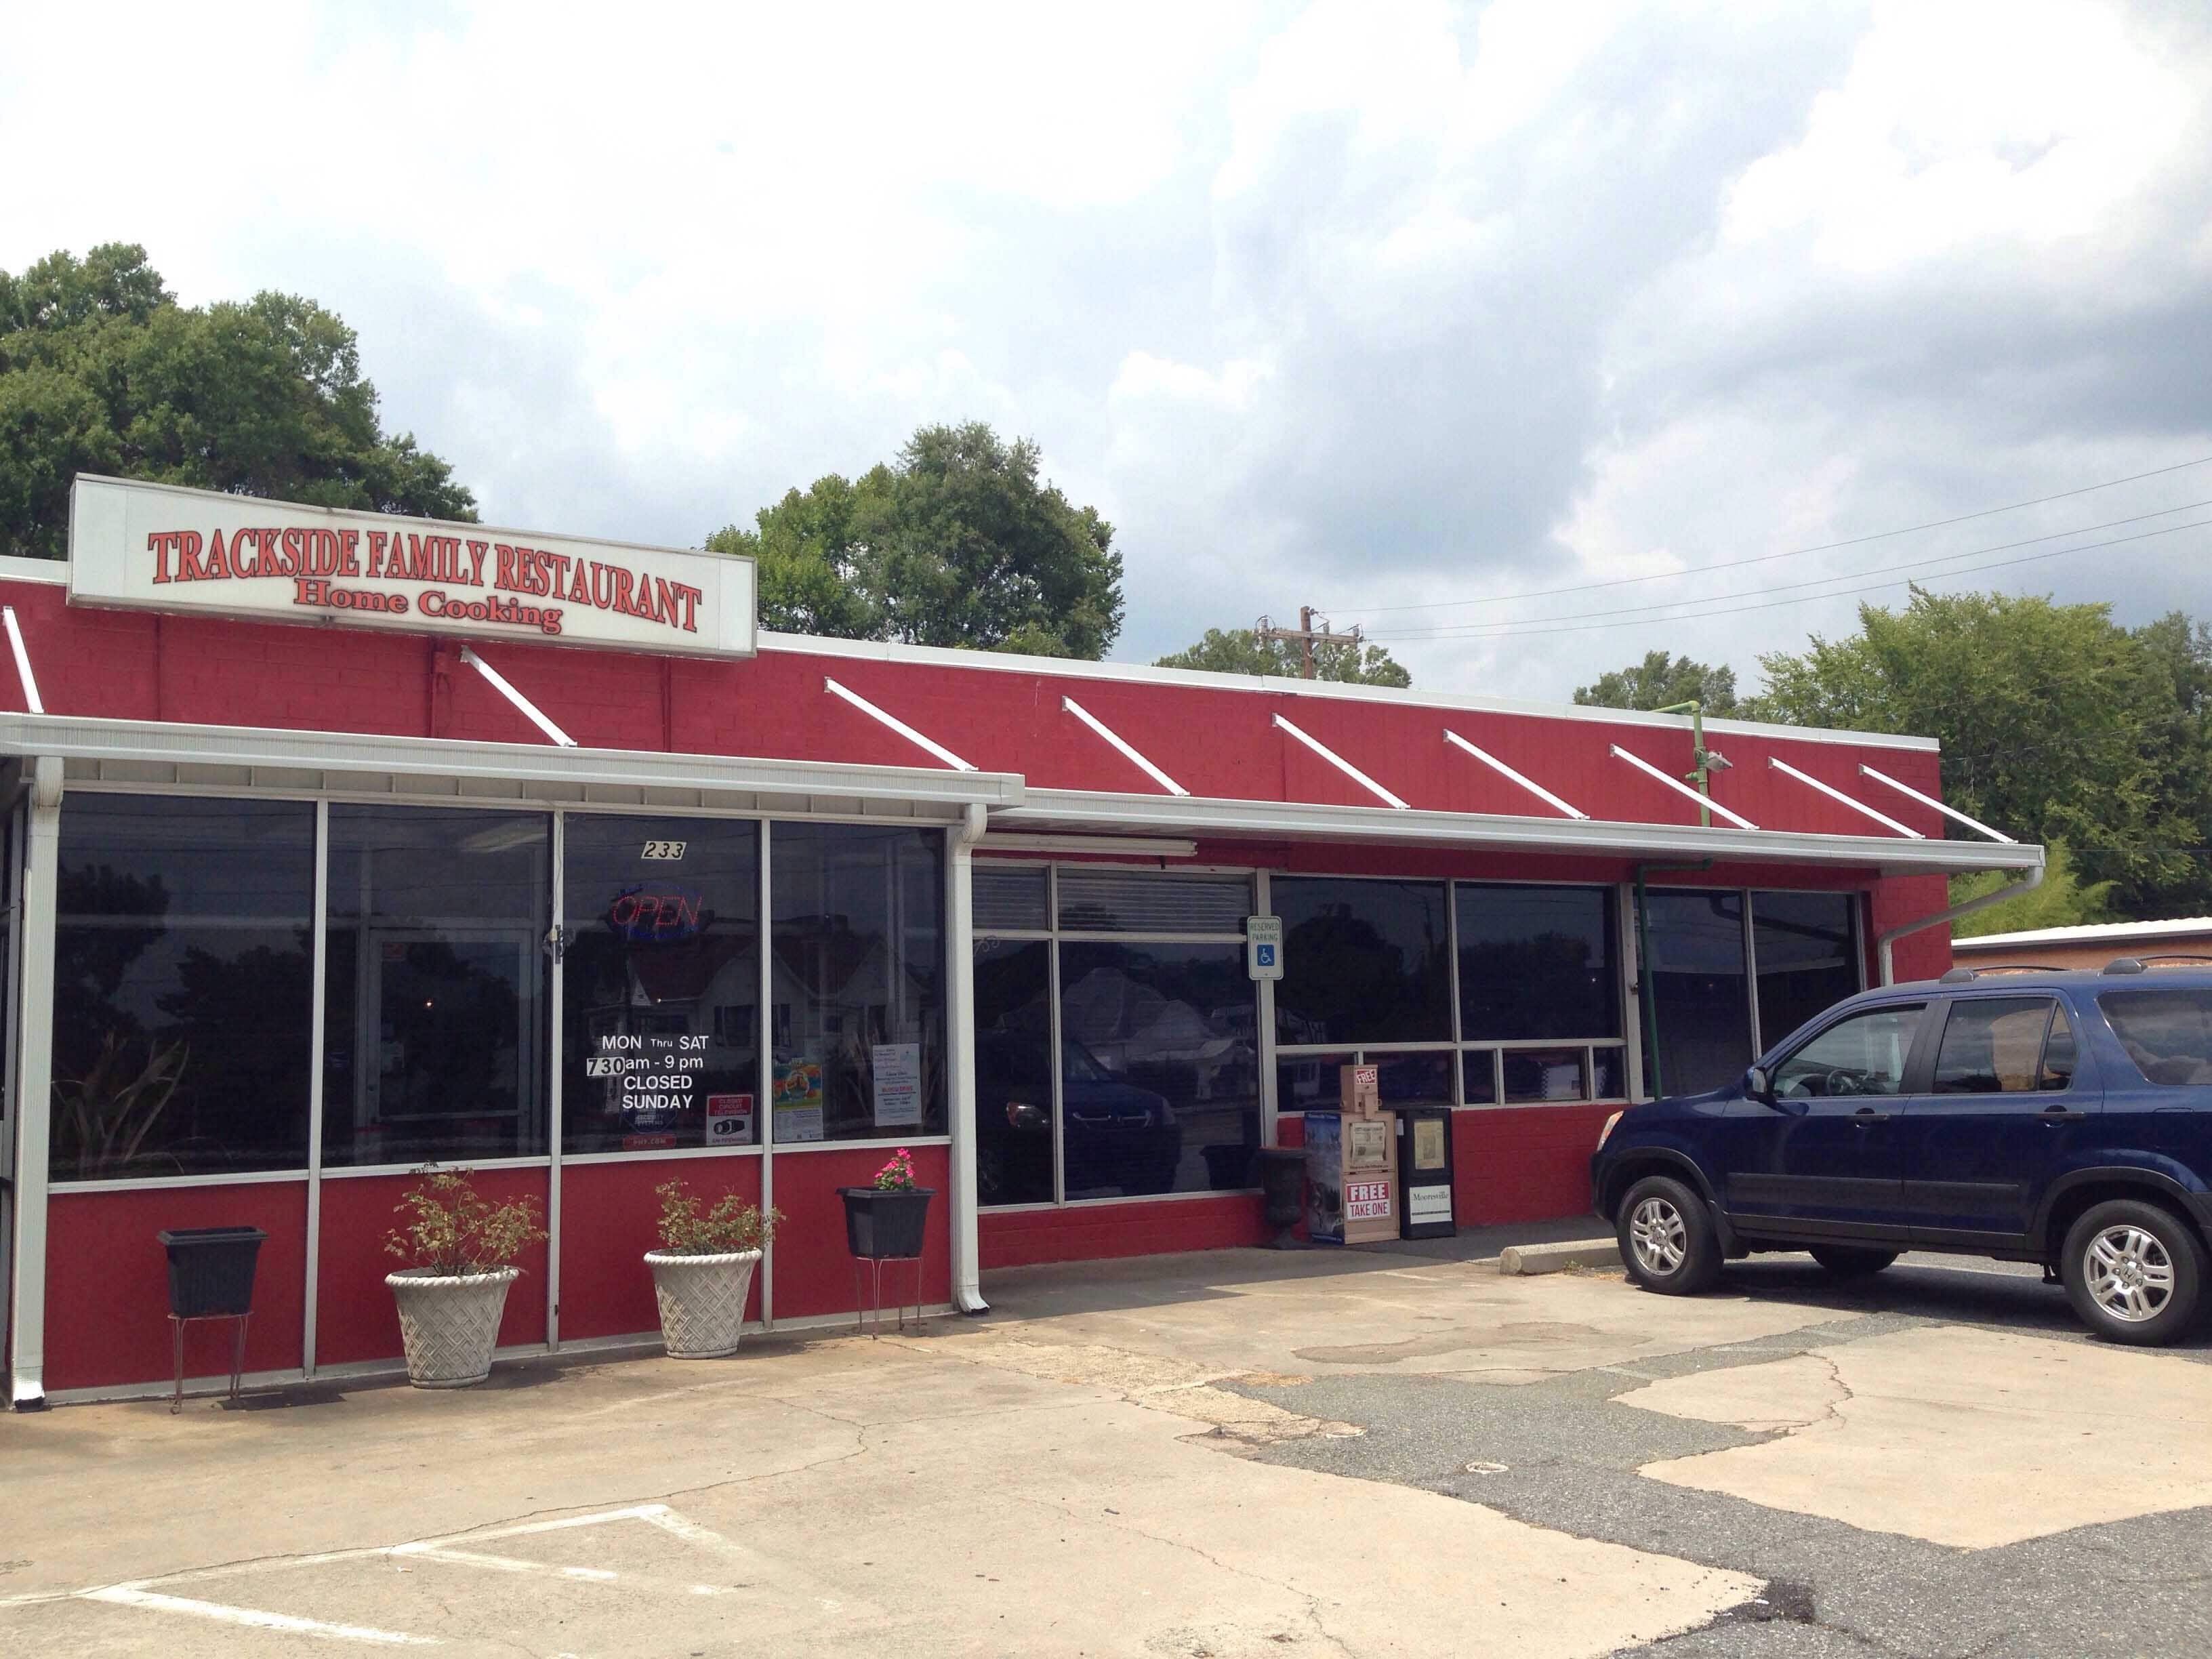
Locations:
1404 311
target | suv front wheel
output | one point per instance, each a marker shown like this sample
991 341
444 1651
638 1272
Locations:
2133 1272
1667 1237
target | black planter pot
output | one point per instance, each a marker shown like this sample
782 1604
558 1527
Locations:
210 1270
884 1225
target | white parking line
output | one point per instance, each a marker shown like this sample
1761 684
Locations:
130 1595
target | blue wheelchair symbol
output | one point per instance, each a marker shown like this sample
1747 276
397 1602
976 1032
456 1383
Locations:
1266 953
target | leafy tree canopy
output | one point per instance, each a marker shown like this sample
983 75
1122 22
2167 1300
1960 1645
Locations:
956 543
102 371
2057 724
1661 681
2064 900
1241 651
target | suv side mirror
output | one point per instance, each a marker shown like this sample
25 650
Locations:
1758 1085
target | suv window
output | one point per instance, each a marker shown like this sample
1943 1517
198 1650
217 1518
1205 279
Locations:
2167 1032
1864 1055
1997 1045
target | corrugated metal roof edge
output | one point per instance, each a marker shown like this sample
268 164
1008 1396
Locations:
2088 933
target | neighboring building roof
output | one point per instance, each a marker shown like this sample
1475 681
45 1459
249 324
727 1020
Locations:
2103 932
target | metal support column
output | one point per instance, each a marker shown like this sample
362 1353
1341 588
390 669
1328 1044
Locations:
27 1359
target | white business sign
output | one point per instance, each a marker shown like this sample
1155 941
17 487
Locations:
155 547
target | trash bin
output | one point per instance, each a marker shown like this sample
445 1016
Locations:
1424 1173
211 1270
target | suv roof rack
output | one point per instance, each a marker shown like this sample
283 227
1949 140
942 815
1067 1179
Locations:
1956 976
2142 964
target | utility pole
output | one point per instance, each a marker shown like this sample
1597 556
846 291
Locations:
1307 635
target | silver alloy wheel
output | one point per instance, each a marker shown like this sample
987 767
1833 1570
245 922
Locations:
2129 1273
1657 1236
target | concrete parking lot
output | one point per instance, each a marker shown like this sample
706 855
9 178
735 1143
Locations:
1210 1456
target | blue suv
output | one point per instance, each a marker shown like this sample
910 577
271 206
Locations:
2064 1118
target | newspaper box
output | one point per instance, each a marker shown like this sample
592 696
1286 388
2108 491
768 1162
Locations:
1351 1178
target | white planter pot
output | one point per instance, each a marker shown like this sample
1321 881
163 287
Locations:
449 1322
702 1300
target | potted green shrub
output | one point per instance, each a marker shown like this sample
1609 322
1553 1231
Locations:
884 1219
704 1270
460 1250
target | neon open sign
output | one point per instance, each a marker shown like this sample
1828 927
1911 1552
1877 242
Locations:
646 914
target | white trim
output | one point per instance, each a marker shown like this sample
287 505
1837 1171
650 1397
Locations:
650 1154
966 1270
2094 933
1681 788
1951 812
1836 794
892 1141
1127 749
1342 765
54 572
164 1183
32 701
549 961
532 711
317 1017
364 1171
1501 767
764 1035
1144 1198
1137 673
323 754
1145 848
896 724
1210 819
34 1056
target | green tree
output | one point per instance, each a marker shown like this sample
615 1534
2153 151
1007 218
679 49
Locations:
1661 681
2064 900
102 371
957 543
1241 651
2057 724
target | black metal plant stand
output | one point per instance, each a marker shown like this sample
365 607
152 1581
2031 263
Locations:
211 1277
883 1225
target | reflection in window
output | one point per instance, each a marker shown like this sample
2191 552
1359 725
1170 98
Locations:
182 989
1864 1055
2167 1033
1993 1045
1545 1074
1538 961
434 1014
1702 1001
1013 1072
1808 958
1362 961
1307 1083
1160 1068
1479 1076
1414 1079
660 984
858 1010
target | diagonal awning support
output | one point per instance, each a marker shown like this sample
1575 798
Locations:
1836 794
31 701
1503 771
1127 749
1344 766
1952 812
883 717
530 711
1682 788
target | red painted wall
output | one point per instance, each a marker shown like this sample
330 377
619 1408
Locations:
354 1316
1094 1232
813 1270
108 1284
610 1217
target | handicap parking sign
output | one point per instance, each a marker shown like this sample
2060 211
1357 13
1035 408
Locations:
1263 946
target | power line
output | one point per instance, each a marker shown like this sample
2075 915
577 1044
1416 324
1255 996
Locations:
1452 630
1791 553
1504 630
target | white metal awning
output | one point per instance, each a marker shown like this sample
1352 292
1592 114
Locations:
1081 811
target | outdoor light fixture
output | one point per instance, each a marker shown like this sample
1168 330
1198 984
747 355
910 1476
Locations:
1713 760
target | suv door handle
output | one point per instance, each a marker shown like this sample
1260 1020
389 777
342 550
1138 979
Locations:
2061 1114
1868 1115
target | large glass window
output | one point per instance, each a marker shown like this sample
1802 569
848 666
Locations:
660 984
1362 961
435 1016
1700 991
182 988
1538 961
858 1008
1014 1100
1807 954
1159 1069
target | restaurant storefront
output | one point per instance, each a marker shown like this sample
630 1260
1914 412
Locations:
294 910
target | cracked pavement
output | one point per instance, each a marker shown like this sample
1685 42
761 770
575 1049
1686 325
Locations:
1211 1456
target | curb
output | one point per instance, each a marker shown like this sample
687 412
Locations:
1557 1258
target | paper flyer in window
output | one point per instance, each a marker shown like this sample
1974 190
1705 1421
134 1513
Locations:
799 1101
897 1084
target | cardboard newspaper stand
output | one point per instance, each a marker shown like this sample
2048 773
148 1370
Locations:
1352 1158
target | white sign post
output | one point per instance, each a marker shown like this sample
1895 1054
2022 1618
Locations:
1263 946
155 547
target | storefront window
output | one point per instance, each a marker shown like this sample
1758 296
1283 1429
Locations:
182 987
660 984
1159 1069
1808 957
1414 1079
1310 1083
434 1015
1535 1074
1701 993
1538 961
1013 1072
857 1007
1362 961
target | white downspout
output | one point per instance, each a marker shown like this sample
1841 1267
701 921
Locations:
34 1064
2026 883
960 1051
